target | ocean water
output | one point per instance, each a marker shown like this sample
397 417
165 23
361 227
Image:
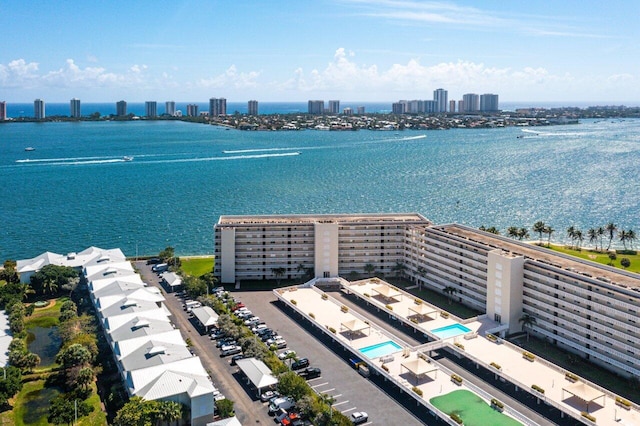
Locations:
76 190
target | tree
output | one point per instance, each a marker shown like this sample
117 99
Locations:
194 286
224 407
579 239
52 277
611 229
9 273
571 233
10 384
422 273
548 230
169 411
527 322
80 377
539 228
278 273
74 355
399 268
450 290
622 235
369 269
134 413
492 230
625 262
289 383
353 276
600 231
592 233
512 232
523 233
631 237
612 257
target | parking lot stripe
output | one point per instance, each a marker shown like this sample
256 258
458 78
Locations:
348 409
336 396
319 384
340 403
329 390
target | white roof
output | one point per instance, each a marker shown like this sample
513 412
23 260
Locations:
140 326
116 321
205 315
170 383
106 270
98 284
131 297
154 352
123 348
172 279
138 379
230 421
257 371
74 260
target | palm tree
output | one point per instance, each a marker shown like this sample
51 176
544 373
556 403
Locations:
631 237
600 231
169 411
622 235
512 232
571 233
611 228
579 239
399 268
450 290
527 322
539 228
422 273
548 230
523 233
278 272
592 233
50 285
369 269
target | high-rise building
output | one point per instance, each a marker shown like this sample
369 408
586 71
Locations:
440 96
347 111
430 107
217 106
399 107
38 109
360 110
471 102
3 110
316 107
170 108
452 106
121 108
334 107
151 109
488 102
74 108
460 105
192 110
252 107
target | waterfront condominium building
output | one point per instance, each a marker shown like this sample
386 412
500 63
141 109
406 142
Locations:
252 107
170 108
583 307
121 108
38 109
217 106
192 110
74 108
316 107
488 102
360 110
440 96
3 110
399 107
452 106
471 102
334 107
460 105
151 109
347 111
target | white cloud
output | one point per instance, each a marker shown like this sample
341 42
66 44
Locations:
19 73
230 78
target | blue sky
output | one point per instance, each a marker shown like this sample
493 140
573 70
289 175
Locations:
353 50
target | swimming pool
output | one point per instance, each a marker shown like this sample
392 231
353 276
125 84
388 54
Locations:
380 349
450 331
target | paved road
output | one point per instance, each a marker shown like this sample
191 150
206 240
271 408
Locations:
225 377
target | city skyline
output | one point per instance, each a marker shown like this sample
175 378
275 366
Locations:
571 51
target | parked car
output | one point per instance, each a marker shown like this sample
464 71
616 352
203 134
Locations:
300 364
259 327
237 306
227 341
230 350
266 396
160 267
278 341
286 353
236 358
282 403
359 417
252 321
310 373
153 261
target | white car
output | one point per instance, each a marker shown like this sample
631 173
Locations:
359 417
286 353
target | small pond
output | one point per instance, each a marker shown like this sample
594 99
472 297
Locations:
44 342
37 404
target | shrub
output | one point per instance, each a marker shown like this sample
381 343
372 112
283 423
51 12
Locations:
385 368
492 337
367 295
293 302
496 403
456 418
623 403
417 390
588 416
324 296
537 389
417 301
331 329
496 366
571 377
460 345
312 315
413 320
344 309
528 356
389 307
456 379
444 314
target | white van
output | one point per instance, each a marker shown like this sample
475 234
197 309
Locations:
160 267
192 304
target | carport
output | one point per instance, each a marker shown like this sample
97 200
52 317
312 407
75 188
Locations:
584 393
257 373
422 311
172 281
419 368
206 316
354 326
387 292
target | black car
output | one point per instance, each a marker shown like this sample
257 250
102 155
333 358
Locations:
300 364
227 341
235 358
153 261
310 373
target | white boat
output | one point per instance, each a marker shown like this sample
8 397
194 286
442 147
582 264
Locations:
29 148
127 158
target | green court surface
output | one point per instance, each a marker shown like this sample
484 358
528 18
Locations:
472 409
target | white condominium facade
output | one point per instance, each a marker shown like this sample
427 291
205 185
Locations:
589 309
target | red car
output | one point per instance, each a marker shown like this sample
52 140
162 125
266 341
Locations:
237 306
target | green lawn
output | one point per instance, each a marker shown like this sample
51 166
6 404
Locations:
602 258
197 266
472 409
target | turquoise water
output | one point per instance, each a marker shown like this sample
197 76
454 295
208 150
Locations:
450 331
76 191
381 349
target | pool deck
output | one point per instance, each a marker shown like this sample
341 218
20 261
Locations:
436 380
